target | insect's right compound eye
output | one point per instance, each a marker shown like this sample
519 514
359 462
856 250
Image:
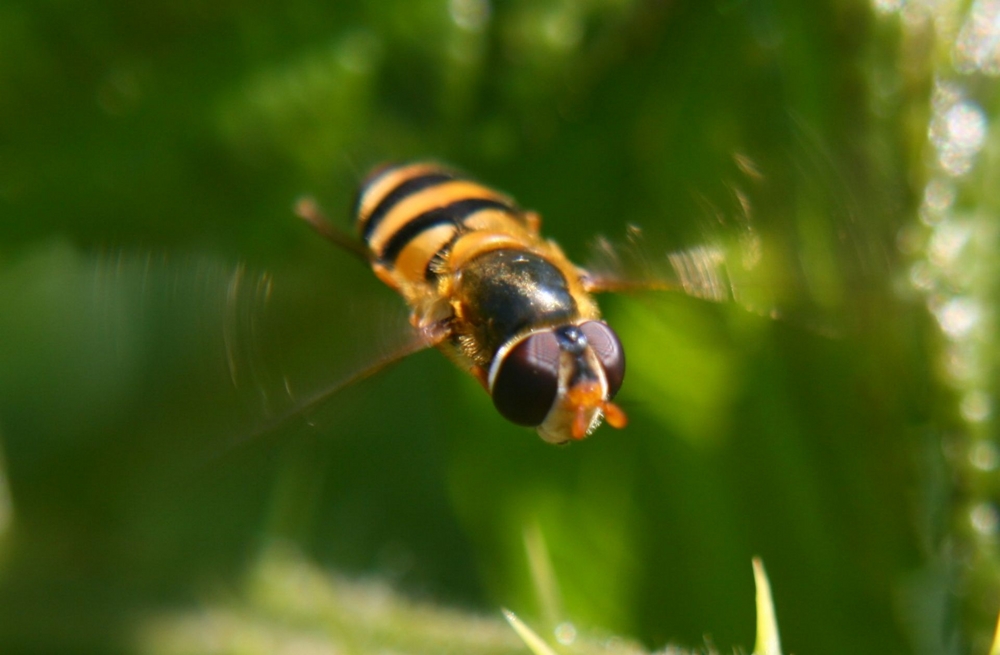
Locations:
526 384
609 350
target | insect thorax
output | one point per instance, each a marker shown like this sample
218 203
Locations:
504 293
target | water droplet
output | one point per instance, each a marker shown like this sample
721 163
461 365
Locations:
565 633
978 43
976 406
471 15
958 316
966 126
939 194
984 456
887 6
959 364
958 133
984 519
947 242
921 276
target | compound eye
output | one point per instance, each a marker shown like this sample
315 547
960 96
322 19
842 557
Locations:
608 348
526 384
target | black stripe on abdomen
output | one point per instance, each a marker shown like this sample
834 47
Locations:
455 213
391 199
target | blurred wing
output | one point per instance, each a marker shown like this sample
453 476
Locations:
240 353
393 349
795 245
716 271
634 265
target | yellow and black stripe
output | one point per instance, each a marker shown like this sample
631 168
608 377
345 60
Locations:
412 216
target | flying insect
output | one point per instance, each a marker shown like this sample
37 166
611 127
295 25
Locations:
498 299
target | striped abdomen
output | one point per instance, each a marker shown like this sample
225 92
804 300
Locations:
411 217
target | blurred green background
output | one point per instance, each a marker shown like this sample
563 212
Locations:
161 312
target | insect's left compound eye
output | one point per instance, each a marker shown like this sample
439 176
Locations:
608 349
526 384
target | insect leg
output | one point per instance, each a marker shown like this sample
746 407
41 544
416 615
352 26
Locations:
534 221
308 210
415 341
594 283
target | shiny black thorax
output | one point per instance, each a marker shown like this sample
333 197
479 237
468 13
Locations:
504 293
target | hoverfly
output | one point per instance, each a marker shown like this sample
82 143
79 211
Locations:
498 299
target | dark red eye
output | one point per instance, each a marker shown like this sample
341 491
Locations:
526 384
609 350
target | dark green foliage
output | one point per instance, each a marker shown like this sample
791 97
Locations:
162 311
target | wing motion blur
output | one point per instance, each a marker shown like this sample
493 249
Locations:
241 352
633 265
812 267
245 352
723 268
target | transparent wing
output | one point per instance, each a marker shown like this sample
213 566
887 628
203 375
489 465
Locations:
716 270
249 351
793 244
633 264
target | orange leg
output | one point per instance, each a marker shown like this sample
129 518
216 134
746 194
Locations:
534 221
383 274
480 374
